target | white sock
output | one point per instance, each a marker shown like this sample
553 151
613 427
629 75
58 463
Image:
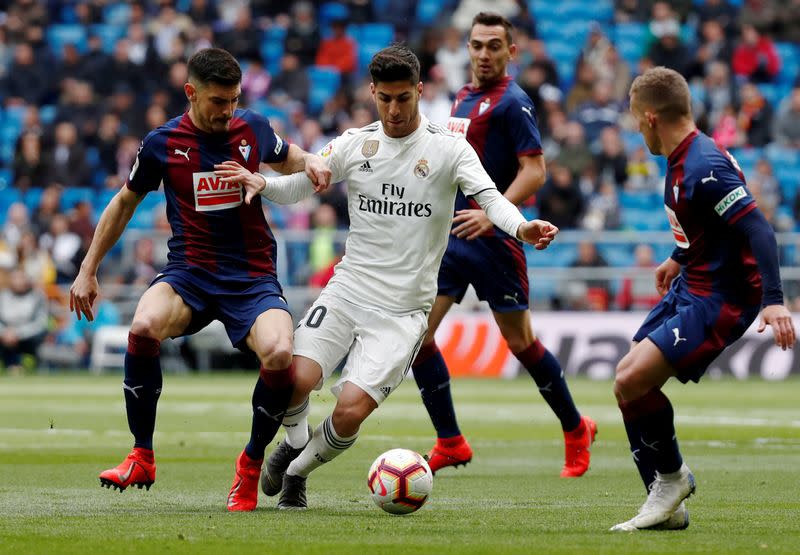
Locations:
295 422
325 445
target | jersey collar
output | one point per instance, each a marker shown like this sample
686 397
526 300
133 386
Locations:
682 147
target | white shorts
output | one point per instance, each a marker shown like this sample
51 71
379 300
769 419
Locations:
379 347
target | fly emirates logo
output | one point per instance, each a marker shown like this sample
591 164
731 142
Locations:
211 193
393 203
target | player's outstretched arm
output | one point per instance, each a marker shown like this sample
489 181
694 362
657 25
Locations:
314 166
538 233
779 317
286 189
112 223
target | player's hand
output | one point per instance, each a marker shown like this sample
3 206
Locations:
82 295
665 273
538 233
472 224
233 172
318 172
779 317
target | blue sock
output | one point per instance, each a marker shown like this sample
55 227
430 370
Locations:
433 381
549 377
271 397
142 387
651 433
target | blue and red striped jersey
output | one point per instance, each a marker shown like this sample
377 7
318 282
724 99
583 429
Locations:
211 225
500 124
705 194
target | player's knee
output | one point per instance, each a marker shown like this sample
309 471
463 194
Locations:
347 419
276 354
146 325
627 385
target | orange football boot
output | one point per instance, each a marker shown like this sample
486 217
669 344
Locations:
138 469
244 491
576 448
450 451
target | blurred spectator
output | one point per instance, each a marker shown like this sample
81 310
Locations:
64 247
611 163
339 50
663 21
77 334
292 79
302 37
770 188
67 157
619 73
255 81
334 114
581 91
203 12
26 81
589 294
167 26
107 142
762 14
31 168
49 206
243 40
600 112
154 117
143 268
603 210
560 201
310 137
77 106
35 262
574 154
541 59
721 12
462 17
452 57
435 103
714 47
595 49
23 319
755 58
626 11
643 174
322 251
638 290
719 94
81 223
17 223
727 133
668 50
786 125
755 116
95 63
121 73
789 22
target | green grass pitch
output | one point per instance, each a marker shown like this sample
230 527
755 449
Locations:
741 439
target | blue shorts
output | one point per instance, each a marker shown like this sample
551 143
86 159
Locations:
692 330
236 304
495 266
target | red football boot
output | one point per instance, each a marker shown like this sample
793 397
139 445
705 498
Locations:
138 469
244 491
451 451
576 448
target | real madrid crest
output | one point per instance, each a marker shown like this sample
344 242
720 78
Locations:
422 169
369 148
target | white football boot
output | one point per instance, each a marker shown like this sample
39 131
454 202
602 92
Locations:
667 493
678 521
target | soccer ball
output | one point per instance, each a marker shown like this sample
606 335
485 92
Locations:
400 481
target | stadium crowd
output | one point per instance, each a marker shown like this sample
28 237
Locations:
83 81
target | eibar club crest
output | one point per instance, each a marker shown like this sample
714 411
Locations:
244 149
369 148
422 169
483 106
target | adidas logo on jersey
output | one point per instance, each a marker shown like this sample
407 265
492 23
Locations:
386 390
365 167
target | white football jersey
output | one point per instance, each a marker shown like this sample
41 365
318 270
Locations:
401 194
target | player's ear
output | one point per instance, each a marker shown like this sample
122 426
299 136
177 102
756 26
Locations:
419 88
190 91
512 51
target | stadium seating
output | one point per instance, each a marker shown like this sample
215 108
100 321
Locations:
370 38
60 34
272 48
324 84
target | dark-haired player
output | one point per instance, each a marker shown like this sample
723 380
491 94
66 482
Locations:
402 174
499 121
221 262
722 273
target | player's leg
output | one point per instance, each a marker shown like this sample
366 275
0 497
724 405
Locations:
308 375
433 380
270 338
161 313
544 368
337 433
649 422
